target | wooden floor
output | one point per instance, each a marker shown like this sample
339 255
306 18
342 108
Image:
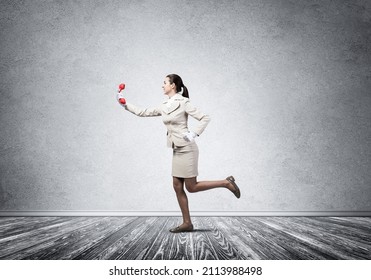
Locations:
268 238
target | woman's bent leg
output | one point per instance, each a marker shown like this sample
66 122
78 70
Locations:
193 186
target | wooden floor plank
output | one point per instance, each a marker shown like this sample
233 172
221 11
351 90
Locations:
345 225
74 243
302 238
270 241
181 245
341 239
129 247
351 222
154 237
213 238
342 244
204 250
16 226
223 248
304 249
171 246
21 245
166 245
123 234
310 237
240 237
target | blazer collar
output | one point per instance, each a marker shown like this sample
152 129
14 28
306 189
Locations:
174 103
176 97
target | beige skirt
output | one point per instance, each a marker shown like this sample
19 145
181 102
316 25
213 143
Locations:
185 161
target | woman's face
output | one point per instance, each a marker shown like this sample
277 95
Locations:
167 87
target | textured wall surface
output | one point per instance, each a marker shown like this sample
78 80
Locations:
286 83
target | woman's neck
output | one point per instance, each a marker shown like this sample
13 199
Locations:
171 94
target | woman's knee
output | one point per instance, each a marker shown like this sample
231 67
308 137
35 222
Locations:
190 185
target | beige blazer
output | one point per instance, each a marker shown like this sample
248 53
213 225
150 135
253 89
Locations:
175 118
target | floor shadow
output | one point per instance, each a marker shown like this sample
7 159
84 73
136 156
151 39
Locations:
202 230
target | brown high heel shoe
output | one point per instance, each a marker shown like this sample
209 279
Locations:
236 190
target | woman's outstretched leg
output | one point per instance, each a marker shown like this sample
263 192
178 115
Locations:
193 186
178 184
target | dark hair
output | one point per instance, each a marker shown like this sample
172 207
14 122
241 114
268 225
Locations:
177 80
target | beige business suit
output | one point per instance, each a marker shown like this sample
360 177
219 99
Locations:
174 112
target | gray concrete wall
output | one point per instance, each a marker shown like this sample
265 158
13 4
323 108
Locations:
286 83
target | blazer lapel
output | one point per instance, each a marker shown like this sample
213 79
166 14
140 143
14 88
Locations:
173 106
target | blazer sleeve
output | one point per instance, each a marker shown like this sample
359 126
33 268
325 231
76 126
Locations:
143 112
195 113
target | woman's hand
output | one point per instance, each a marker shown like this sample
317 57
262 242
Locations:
189 136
